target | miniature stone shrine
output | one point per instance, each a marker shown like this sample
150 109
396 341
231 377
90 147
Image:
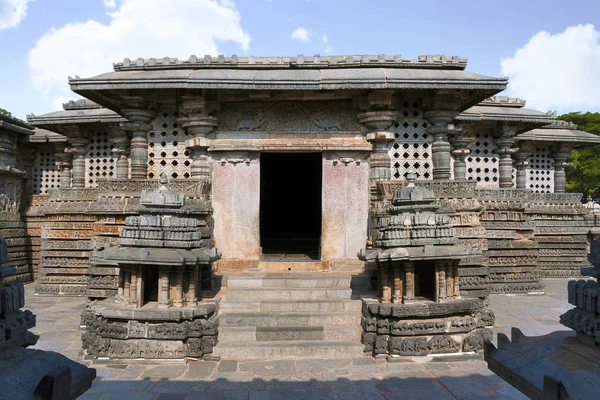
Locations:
425 304
156 312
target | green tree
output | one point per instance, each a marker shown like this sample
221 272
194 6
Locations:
4 112
583 176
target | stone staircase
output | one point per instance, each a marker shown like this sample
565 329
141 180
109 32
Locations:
289 315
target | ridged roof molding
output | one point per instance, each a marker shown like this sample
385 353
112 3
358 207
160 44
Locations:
81 104
316 61
559 124
503 101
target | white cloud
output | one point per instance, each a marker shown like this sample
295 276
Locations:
110 3
301 34
557 71
325 39
138 28
328 49
12 12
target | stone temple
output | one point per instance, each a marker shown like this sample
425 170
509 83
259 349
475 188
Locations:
290 206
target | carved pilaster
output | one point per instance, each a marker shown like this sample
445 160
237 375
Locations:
441 128
378 122
504 147
198 124
409 281
560 163
78 150
521 164
139 124
460 143
385 278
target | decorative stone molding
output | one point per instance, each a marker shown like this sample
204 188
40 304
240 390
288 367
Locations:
347 158
301 61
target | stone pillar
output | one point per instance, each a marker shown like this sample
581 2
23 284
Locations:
384 276
560 163
63 162
397 277
521 164
78 149
121 149
163 288
139 124
191 297
378 122
198 124
460 144
134 286
505 150
178 288
441 281
441 127
409 281
456 278
127 284
449 281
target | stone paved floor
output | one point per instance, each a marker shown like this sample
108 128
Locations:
358 378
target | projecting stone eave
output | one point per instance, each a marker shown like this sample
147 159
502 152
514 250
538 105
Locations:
523 118
572 138
45 136
12 124
108 89
57 119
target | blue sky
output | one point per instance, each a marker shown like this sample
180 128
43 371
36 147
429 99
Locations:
554 70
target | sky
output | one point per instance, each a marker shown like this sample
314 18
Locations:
549 49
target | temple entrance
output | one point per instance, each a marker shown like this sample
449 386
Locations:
290 206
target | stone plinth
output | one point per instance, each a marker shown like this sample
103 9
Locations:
31 374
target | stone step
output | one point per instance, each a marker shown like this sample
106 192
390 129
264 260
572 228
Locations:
281 319
289 349
282 281
290 306
288 294
289 332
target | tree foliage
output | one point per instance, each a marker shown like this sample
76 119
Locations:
583 176
4 112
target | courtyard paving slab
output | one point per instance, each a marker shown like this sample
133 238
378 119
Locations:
351 378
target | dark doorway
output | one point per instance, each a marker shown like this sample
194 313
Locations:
290 205
150 283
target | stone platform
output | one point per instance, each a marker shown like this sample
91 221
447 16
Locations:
342 378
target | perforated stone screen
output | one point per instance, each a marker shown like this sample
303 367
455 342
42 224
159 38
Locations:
166 147
100 162
540 171
482 162
411 149
45 171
